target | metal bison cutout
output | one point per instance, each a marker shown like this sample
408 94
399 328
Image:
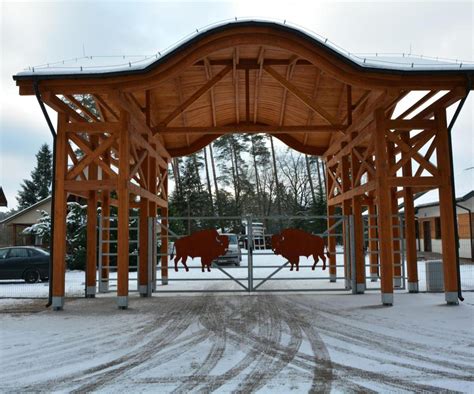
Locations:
206 244
292 243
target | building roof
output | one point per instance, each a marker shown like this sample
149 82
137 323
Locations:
91 66
26 210
458 200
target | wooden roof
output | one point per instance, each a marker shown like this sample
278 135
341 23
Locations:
246 77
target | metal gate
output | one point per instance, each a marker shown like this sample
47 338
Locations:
259 269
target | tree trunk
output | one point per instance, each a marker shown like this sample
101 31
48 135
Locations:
208 180
310 179
275 175
214 175
257 181
321 191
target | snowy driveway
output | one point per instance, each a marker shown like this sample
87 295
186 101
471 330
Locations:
243 343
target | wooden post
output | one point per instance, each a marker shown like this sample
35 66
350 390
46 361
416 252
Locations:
105 218
397 257
447 209
152 179
384 208
91 264
346 211
410 230
123 214
359 245
358 231
373 244
60 207
331 242
164 233
143 279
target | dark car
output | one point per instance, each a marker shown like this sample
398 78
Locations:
24 262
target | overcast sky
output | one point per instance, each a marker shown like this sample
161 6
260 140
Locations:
39 32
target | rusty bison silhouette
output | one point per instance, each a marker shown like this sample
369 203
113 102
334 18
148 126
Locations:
206 244
292 243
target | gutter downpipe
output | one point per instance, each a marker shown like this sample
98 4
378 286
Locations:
453 191
51 241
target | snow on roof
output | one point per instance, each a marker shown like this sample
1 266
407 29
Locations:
105 64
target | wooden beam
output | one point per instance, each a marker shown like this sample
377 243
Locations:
357 191
410 124
247 128
82 108
140 141
139 191
420 102
401 181
91 128
221 74
60 106
105 105
104 184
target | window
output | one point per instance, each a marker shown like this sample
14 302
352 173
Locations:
437 228
18 252
3 253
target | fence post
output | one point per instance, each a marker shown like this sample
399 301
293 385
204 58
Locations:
401 221
151 247
102 285
250 252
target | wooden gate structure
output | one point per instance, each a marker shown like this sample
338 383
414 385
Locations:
254 77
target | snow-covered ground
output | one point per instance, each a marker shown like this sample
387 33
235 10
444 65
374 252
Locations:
239 343
264 262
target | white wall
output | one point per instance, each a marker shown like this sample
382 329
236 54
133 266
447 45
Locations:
464 247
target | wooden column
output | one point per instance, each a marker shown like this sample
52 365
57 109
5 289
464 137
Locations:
410 231
373 244
397 258
152 179
331 242
143 279
60 207
447 209
164 232
384 208
123 211
358 231
346 211
105 218
91 264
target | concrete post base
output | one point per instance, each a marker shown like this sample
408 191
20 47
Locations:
164 280
451 298
360 288
397 282
332 278
348 284
58 303
90 292
122 302
144 290
413 287
103 286
387 299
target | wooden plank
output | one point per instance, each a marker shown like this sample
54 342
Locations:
301 95
357 191
140 141
221 74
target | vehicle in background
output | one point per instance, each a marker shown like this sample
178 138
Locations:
24 262
233 254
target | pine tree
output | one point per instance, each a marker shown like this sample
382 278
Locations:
39 187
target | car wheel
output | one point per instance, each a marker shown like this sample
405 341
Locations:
31 276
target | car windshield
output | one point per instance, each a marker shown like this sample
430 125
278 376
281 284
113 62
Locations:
3 253
233 239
